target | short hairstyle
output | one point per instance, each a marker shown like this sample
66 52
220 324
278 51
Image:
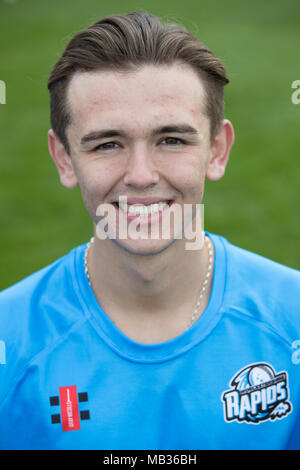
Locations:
127 42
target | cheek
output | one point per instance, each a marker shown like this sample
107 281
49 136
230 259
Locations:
95 180
189 180
93 189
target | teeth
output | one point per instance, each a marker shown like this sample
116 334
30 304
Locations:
141 210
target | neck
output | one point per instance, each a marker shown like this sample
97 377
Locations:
156 294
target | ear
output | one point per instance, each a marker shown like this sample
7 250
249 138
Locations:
220 151
62 161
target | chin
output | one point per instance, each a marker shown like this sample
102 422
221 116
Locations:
144 247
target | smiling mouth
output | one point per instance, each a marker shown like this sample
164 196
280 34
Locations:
143 210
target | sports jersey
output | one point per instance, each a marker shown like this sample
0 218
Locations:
71 379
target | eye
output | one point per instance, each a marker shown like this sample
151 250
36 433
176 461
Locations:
172 141
107 146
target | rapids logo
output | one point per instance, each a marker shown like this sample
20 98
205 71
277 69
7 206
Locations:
257 394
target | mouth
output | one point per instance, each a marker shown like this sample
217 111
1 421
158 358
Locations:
143 208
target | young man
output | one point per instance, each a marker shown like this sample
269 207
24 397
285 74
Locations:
137 341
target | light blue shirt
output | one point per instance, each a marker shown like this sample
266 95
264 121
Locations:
72 380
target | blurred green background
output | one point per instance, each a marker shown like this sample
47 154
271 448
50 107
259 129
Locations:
255 205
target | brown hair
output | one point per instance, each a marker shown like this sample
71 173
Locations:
125 42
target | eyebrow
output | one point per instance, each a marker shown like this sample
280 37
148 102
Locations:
97 135
176 129
108 133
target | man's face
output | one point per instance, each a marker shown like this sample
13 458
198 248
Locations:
140 134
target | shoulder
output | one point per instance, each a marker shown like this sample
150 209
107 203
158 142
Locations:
254 265
27 293
264 274
35 312
262 289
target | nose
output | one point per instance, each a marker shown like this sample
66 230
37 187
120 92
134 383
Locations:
141 171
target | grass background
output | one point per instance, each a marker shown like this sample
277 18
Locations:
255 205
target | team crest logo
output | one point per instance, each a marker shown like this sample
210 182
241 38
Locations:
257 394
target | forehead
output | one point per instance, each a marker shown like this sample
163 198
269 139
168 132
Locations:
140 98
